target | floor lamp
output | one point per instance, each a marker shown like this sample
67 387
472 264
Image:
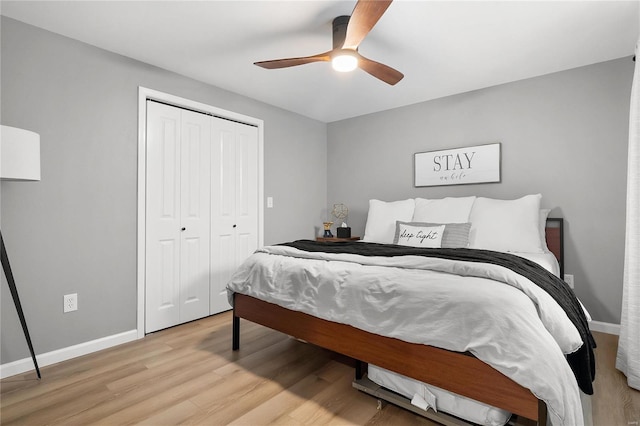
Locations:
19 161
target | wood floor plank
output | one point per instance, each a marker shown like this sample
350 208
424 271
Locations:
282 403
325 405
188 375
286 420
334 371
357 409
174 415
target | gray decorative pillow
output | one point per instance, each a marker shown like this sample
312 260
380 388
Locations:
456 235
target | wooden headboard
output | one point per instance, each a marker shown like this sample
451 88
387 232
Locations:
554 234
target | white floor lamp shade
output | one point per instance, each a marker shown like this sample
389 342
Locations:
19 154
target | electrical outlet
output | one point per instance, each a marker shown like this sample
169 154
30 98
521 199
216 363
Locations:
70 302
269 202
568 278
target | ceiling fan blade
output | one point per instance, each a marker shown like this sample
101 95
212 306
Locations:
380 71
363 18
292 62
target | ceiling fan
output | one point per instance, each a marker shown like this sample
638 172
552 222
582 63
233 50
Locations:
348 33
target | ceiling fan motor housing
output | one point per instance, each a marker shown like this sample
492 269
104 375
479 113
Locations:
340 31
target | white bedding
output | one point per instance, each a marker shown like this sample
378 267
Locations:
515 327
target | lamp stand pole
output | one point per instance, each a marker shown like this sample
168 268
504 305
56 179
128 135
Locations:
16 300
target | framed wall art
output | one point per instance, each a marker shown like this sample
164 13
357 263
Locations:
458 166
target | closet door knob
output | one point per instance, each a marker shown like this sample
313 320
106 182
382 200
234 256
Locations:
234 226
184 229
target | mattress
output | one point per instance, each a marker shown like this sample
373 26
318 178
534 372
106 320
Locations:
431 397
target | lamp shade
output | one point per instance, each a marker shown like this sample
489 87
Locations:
19 154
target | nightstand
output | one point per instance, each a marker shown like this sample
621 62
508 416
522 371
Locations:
336 239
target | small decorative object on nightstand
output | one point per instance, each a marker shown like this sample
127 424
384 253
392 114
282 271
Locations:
327 230
341 212
343 232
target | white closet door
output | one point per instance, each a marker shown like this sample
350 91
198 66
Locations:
234 203
163 217
177 216
195 215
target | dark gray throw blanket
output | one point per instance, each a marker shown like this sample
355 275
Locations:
582 361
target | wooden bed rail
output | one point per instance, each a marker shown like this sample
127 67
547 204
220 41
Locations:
457 372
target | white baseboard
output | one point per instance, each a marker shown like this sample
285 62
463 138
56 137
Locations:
53 357
605 327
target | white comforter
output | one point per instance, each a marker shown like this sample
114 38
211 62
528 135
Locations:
501 317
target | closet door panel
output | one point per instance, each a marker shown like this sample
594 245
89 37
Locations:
195 215
162 266
223 210
246 189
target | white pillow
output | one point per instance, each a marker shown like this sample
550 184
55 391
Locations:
506 225
382 217
444 210
419 235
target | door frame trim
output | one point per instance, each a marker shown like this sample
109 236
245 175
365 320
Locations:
145 94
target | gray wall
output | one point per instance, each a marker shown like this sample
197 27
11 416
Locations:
564 135
75 230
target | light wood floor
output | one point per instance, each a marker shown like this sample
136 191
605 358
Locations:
189 375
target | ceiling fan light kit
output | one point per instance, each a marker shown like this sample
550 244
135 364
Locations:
344 61
348 33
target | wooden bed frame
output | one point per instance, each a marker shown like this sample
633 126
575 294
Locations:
457 372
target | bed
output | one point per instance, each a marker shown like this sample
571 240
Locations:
469 372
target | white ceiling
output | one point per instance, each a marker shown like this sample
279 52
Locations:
442 47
